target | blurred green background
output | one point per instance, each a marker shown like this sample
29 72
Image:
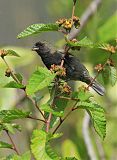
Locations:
15 16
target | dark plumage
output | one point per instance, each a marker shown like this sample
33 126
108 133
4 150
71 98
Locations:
74 69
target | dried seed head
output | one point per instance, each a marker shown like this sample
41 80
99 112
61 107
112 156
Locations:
3 53
8 72
60 71
98 67
65 88
60 21
110 62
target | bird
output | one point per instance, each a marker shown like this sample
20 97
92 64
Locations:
75 70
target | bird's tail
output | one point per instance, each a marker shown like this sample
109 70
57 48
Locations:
98 88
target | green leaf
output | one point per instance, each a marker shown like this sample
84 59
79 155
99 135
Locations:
39 80
38 28
5 145
71 149
82 95
108 31
97 115
9 115
109 75
70 158
56 135
85 42
10 127
40 146
106 74
13 84
12 53
47 108
25 156
113 75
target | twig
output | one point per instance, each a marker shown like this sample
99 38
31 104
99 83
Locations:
38 119
87 138
67 98
62 120
73 9
13 144
12 74
66 48
53 94
85 17
15 78
35 104
48 122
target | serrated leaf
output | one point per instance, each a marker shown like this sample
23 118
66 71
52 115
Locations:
70 158
39 80
97 116
40 146
113 75
109 75
12 53
13 84
10 127
5 145
71 149
9 115
106 75
108 31
85 42
82 95
25 156
47 108
38 28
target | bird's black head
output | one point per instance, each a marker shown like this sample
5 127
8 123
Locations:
38 46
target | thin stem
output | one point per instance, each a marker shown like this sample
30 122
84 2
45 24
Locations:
12 74
73 10
62 120
53 94
91 9
35 104
48 122
38 119
13 144
67 98
15 78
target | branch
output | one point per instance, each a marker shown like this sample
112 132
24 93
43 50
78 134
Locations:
38 119
87 138
62 120
15 78
12 74
35 104
85 17
13 144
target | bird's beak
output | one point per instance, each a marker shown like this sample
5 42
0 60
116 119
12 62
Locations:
35 48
